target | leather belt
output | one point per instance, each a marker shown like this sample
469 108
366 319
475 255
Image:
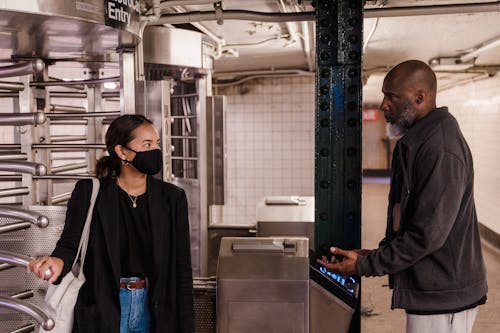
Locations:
141 284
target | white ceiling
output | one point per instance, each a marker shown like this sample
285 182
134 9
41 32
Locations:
394 39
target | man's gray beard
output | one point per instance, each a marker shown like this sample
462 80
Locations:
402 124
395 131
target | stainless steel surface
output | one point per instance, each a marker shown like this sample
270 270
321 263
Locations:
265 278
68 121
214 236
35 218
22 68
286 216
204 296
10 192
19 119
54 29
127 82
327 309
23 167
216 142
69 177
29 309
13 86
161 47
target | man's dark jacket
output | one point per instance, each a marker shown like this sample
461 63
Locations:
170 288
436 254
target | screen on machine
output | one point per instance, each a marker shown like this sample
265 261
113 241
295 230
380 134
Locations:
347 282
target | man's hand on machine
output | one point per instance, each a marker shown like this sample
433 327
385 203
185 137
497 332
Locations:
46 268
342 261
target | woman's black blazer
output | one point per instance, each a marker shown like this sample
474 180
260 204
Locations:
170 289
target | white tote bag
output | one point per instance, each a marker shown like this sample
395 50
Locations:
60 299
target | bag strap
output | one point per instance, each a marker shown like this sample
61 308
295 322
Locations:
84 239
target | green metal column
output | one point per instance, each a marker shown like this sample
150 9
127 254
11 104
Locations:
339 27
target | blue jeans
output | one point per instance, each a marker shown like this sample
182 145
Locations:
135 316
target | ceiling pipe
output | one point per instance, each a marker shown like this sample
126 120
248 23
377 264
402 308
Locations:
234 15
168 4
433 10
491 44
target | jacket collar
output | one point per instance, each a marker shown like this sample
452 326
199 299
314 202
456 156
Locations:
425 126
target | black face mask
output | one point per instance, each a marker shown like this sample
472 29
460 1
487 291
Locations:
148 162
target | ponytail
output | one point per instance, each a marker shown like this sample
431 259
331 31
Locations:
107 167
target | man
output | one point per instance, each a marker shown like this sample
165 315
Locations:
432 248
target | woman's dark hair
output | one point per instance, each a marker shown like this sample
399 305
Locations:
119 133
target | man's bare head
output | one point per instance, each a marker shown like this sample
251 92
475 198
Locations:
409 94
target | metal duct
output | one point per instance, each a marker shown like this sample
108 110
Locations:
234 15
22 68
18 119
35 218
29 309
33 168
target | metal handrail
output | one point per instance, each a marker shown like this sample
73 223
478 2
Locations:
18 119
12 192
5 228
35 218
68 167
69 145
12 86
23 294
16 259
74 83
22 68
20 156
82 114
29 309
36 169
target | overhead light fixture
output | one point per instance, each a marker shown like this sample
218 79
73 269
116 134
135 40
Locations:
453 64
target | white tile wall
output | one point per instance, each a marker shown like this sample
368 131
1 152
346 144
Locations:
477 109
270 144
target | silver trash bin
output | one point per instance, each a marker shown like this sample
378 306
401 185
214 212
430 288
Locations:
263 285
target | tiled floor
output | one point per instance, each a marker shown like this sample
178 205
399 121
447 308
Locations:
376 298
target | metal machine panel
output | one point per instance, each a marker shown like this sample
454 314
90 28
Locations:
286 216
161 46
333 298
263 278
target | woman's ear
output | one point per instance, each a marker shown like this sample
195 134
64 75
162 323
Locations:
119 150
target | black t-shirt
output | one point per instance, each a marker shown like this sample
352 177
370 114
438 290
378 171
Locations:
136 258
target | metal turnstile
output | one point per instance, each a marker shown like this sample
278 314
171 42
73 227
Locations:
263 285
333 300
286 216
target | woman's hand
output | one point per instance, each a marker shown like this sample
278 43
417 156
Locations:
43 266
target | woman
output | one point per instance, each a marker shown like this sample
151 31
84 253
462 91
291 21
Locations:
138 264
